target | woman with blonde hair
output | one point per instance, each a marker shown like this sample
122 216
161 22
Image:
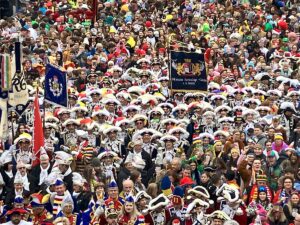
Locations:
292 207
129 213
152 190
276 216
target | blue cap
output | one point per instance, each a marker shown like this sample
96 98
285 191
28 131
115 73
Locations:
129 199
262 189
59 182
178 191
34 204
112 184
19 199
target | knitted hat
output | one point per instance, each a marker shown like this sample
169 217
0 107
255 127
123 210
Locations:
278 136
261 176
262 189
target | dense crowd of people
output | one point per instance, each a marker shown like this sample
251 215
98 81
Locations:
128 149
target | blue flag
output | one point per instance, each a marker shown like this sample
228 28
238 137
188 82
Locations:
56 86
187 72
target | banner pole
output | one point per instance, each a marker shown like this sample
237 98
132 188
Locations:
169 67
44 110
12 127
169 60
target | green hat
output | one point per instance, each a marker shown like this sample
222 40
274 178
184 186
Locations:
248 37
68 29
285 39
268 27
109 20
70 20
33 22
86 23
47 26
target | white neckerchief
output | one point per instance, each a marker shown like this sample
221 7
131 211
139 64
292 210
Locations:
43 174
25 182
20 193
9 174
137 154
69 171
75 194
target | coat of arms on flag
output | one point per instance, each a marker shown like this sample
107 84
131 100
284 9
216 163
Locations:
56 86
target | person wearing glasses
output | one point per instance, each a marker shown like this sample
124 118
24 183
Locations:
283 195
23 152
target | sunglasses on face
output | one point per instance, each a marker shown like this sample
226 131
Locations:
169 124
156 114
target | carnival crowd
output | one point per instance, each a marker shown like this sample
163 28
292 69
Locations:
130 150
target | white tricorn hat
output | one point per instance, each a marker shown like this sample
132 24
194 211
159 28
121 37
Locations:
142 194
168 137
63 158
107 154
70 121
160 201
195 203
200 191
111 129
